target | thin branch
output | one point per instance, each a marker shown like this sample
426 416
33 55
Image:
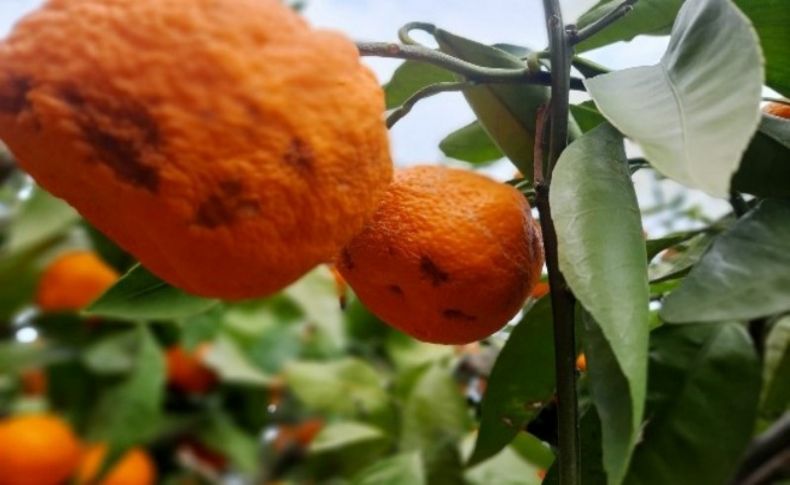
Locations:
404 33
766 456
427 91
739 206
562 299
613 16
473 72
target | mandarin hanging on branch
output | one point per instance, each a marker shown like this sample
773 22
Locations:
73 280
449 257
226 144
135 467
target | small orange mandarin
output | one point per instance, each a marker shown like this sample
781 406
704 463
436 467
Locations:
37 449
540 290
135 467
781 110
581 363
299 435
449 257
73 281
186 371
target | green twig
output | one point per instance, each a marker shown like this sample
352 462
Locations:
427 91
613 16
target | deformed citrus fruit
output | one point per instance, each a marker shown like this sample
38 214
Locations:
449 256
135 467
226 144
781 110
73 280
186 371
38 449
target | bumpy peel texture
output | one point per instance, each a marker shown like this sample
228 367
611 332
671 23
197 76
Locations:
225 143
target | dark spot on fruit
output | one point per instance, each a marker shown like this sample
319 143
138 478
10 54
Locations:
454 314
226 206
395 289
300 155
434 273
346 260
120 134
13 96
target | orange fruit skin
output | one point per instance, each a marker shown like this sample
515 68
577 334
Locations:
778 109
226 144
581 363
449 256
73 280
37 449
187 373
135 467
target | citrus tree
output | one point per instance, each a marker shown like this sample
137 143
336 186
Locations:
178 173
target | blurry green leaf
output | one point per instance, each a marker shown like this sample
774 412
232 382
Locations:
395 470
704 384
255 318
533 450
435 412
587 115
407 352
471 144
114 354
342 434
507 112
139 295
40 218
129 412
241 448
680 258
229 362
744 275
681 111
603 257
521 382
655 246
506 468
410 77
201 327
348 386
648 17
765 167
16 357
775 397
771 18
316 295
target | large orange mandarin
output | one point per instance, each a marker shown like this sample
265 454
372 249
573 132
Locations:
37 449
73 280
135 467
781 110
225 143
186 371
449 256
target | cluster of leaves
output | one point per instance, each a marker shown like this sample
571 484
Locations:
673 370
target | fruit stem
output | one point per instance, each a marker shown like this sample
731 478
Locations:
472 72
613 16
428 91
562 299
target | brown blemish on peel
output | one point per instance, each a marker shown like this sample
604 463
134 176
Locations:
226 206
454 314
346 260
431 271
299 155
13 96
395 289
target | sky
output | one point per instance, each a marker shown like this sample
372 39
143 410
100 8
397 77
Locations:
415 138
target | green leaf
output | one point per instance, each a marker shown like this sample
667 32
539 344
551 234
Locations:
603 257
680 259
348 386
648 17
220 433
771 18
316 295
655 246
114 354
744 275
395 470
40 218
435 412
342 434
507 112
521 382
775 398
471 144
139 295
129 412
765 167
232 365
592 472
682 111
410 77
16 357
506 468
587 115
704 384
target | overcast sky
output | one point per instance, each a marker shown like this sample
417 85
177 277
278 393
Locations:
415 139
